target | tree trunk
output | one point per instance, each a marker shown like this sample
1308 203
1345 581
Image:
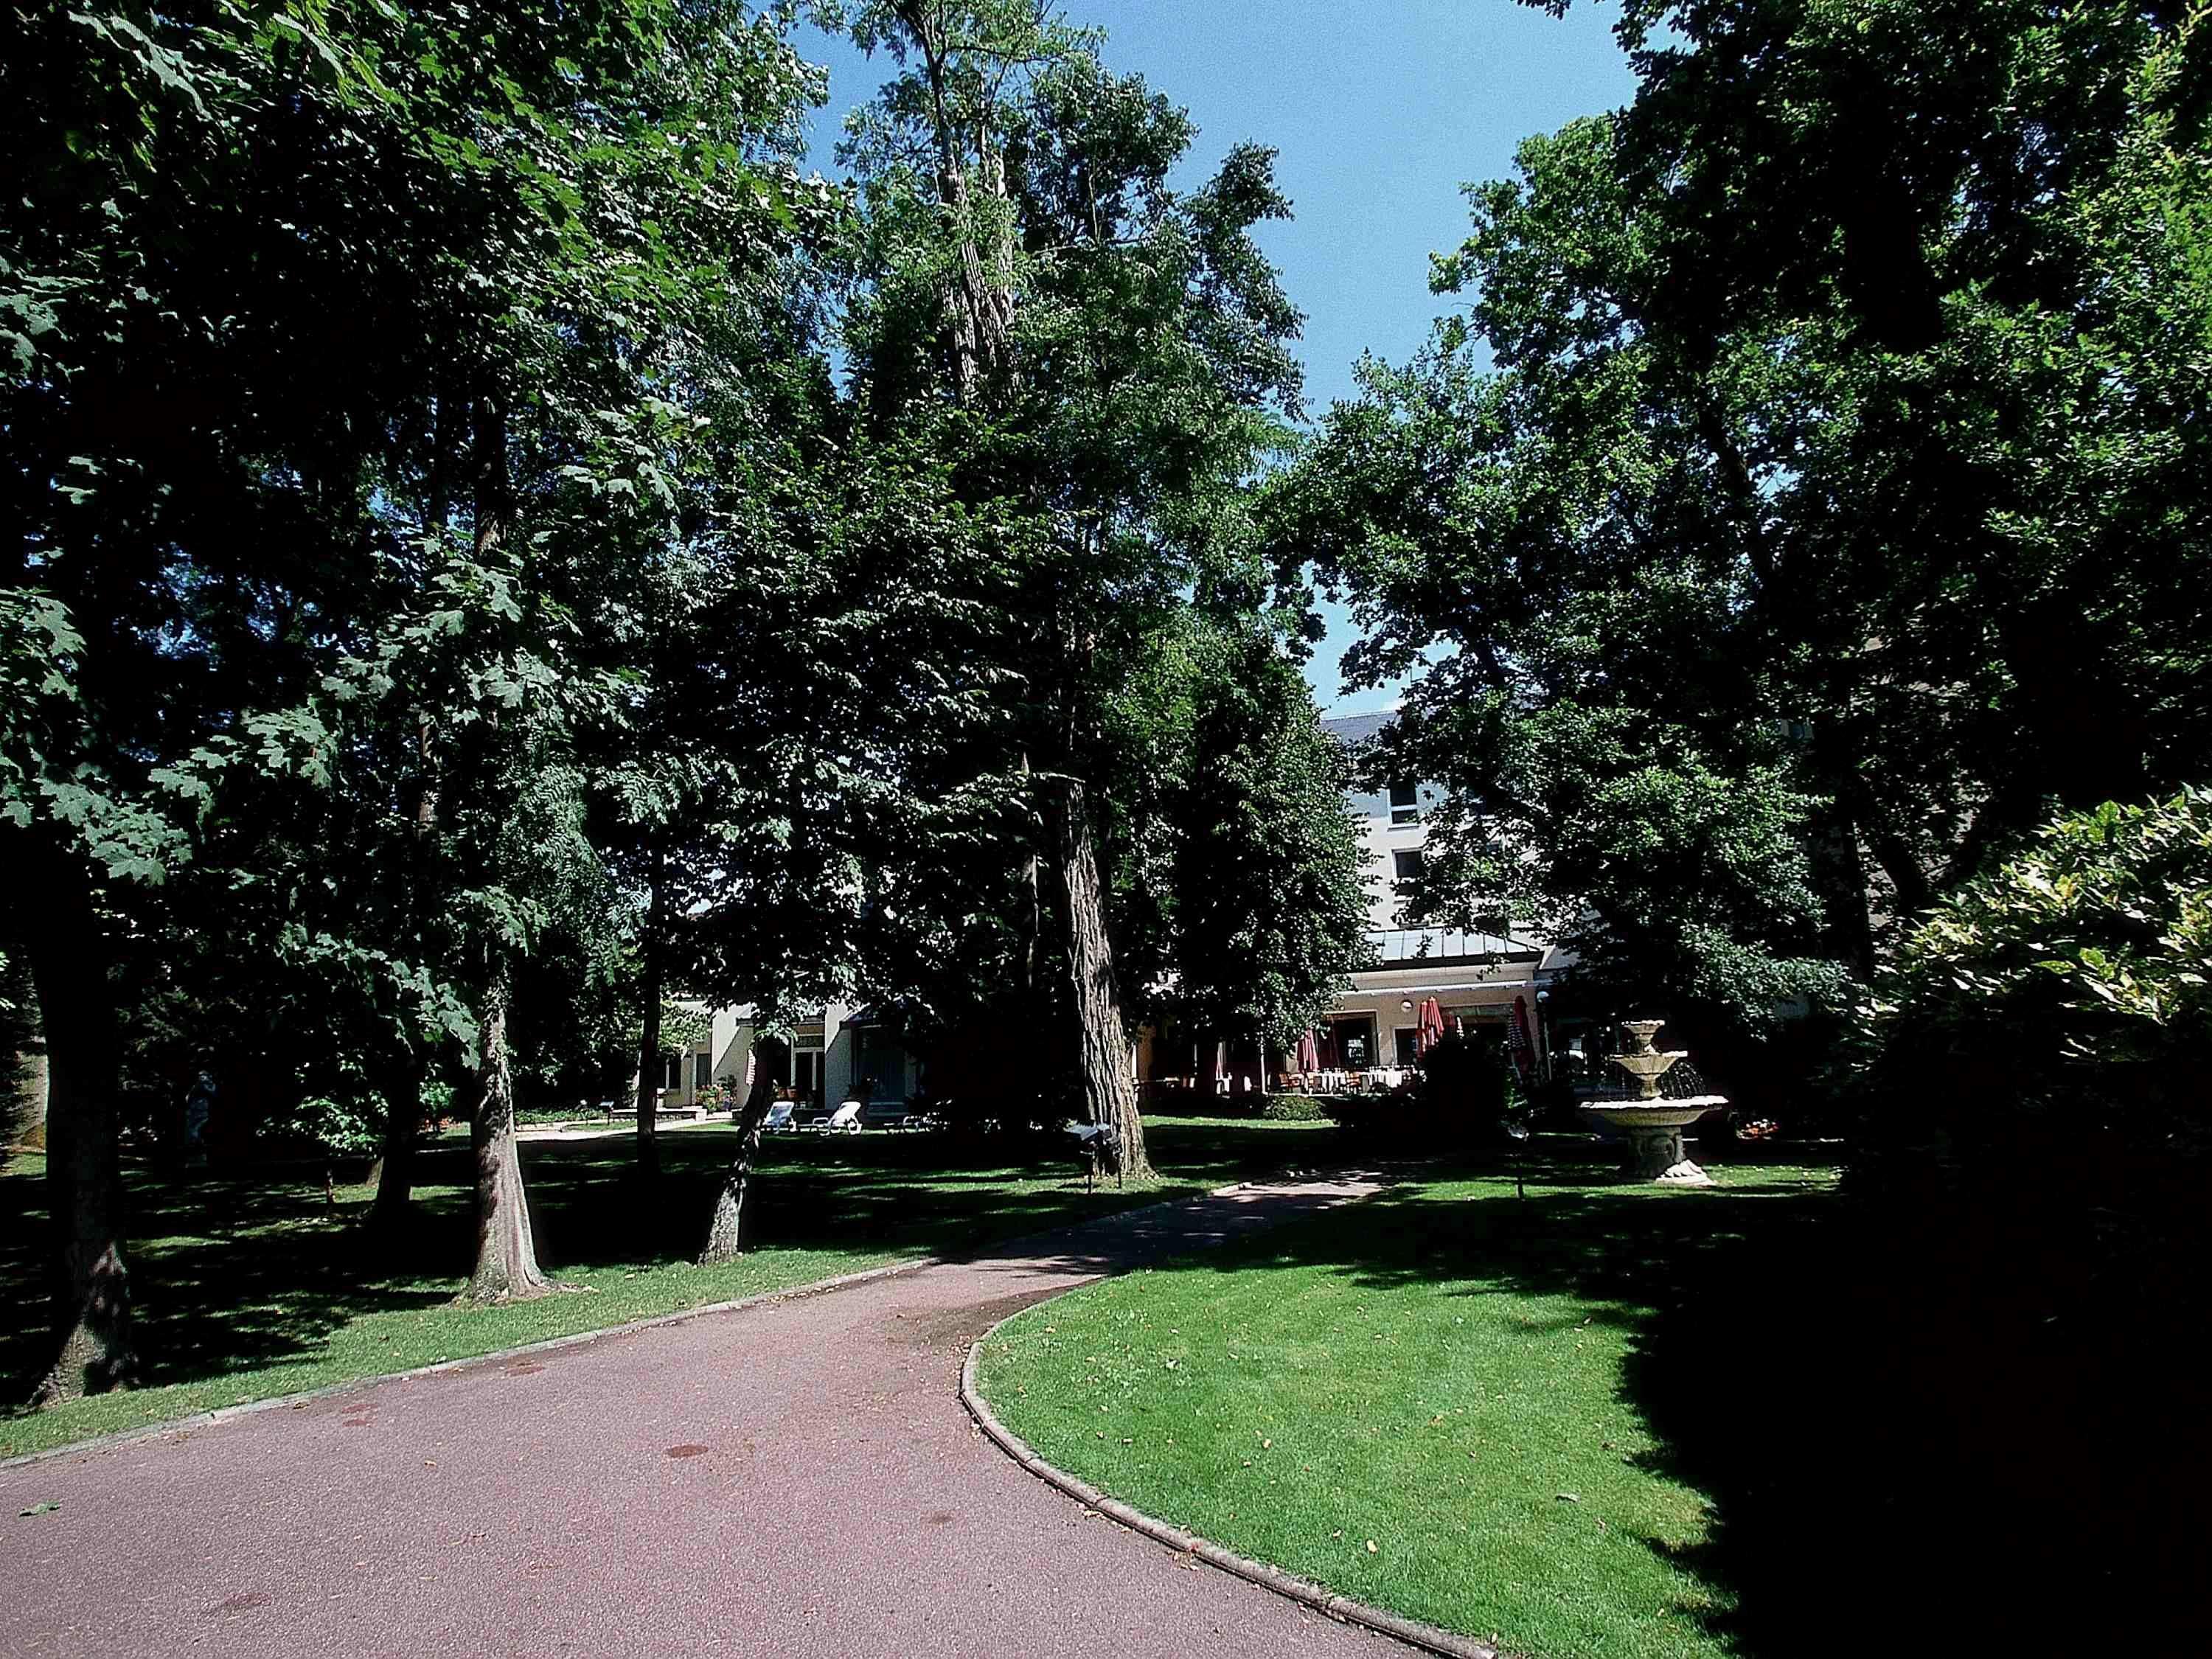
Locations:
726 1228
1109 1094
31 1094
507 1256
649 1059
92 1286
27 1107
395 1158
403 1104
1033 932
979 313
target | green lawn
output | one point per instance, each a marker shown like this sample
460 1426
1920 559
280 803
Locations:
1440 1401
250 1286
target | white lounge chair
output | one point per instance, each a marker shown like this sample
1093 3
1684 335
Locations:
846 1118
778 1118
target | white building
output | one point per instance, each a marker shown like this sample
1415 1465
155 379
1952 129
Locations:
1476 978
839 1054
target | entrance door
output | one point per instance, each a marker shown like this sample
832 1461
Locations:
1353 1039
806 1073
1408 1041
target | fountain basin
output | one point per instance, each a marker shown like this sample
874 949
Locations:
1654 1131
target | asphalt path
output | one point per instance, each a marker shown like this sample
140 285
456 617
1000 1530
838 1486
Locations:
798 1480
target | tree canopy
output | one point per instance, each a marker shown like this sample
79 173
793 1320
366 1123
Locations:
1807 495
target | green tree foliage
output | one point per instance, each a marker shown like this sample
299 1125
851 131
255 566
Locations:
2074 984
1829 503
1241 901
354 363
1104 360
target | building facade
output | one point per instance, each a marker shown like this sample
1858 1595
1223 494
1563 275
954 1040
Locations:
1476 978
1481 982
839 1054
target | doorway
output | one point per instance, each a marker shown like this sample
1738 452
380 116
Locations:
1352 1043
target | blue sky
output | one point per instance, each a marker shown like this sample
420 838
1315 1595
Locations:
1380 109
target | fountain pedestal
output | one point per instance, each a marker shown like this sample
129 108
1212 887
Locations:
1654 1126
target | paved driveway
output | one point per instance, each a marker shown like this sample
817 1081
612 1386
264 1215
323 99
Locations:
793 1479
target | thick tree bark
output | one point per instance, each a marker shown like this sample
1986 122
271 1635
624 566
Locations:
506 1254
1102 1042
27 1107
31 1094
979 309
67 946
726 1227
649 1059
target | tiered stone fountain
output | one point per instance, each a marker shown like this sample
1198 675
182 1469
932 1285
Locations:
1654 1126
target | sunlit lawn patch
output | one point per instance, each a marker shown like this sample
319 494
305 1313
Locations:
1424 1401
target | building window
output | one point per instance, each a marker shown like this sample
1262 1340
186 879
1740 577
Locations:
671 1073
1405 804
1407 863
703 1070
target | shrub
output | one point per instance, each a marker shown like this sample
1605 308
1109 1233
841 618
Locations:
2030 1198
1465 1095
334 1128
1292 1109
2030 1082
2076 981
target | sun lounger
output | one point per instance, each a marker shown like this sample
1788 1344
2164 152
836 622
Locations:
845 1120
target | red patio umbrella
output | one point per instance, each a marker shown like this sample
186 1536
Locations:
1308 1060
1432 1029
1522 1042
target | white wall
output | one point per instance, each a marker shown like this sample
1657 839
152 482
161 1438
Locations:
1380 838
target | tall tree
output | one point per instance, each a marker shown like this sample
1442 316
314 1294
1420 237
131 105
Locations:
235 563
1107 355
1750 590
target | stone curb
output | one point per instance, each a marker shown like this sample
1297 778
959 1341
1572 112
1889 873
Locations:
180 1425
1318 1597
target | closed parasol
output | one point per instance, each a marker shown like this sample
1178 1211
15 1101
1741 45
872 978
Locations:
1432 1031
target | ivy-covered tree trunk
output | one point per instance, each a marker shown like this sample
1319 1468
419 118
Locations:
726 1228
649 1061
506 1254
91 1286
1102 1042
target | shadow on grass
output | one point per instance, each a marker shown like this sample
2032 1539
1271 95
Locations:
235 1272
1904 1451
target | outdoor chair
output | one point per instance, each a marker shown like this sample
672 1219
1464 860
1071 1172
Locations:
1095 1143
778 1119
845 1119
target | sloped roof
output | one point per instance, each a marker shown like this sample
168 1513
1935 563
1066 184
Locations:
1353 730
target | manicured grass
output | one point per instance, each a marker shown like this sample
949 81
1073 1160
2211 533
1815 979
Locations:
250 1286
1434 1401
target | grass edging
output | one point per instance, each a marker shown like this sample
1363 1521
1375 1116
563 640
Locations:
1318 1597
545 1345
